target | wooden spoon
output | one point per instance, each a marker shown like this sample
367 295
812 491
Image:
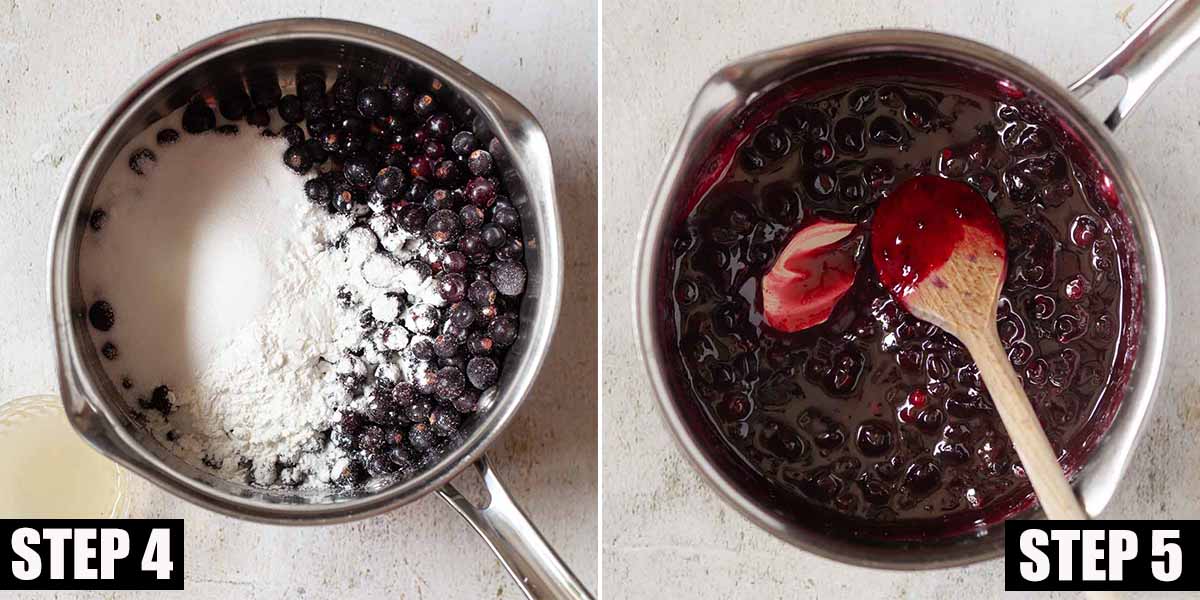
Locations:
939 249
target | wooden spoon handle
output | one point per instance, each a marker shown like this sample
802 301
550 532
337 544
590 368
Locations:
1037 456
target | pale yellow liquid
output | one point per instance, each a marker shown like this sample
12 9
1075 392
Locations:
48 471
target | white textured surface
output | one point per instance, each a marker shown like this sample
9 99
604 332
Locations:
663 528
62 63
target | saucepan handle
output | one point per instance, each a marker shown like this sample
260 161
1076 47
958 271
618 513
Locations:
533 564
1146 55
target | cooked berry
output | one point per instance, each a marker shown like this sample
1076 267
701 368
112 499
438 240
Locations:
373 102
290 109
503 331
297 159
443 227
167 136
772 142
509 277
316 151
142 160
109 350
97 219
101 315
482 372
258 117
227 129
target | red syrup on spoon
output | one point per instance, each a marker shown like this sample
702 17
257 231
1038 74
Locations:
919 225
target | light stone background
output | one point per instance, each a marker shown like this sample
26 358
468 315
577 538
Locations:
63 63
664 530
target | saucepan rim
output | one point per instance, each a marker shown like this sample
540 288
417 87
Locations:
507 119
740 84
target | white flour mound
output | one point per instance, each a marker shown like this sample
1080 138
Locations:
223 279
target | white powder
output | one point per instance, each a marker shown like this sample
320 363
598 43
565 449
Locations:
223 281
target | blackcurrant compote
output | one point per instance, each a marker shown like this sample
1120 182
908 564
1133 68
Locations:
874 419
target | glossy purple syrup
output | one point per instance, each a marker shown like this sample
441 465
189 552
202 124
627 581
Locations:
875 418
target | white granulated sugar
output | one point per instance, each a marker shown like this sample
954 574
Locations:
223 279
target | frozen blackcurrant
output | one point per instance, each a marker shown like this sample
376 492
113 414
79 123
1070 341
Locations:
503 331
450 382
389 182
297 159
373 102
482 372
443 227
290 109
479 162
101 315
463 143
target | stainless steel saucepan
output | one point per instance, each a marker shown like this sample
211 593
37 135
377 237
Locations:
280 49
952 60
